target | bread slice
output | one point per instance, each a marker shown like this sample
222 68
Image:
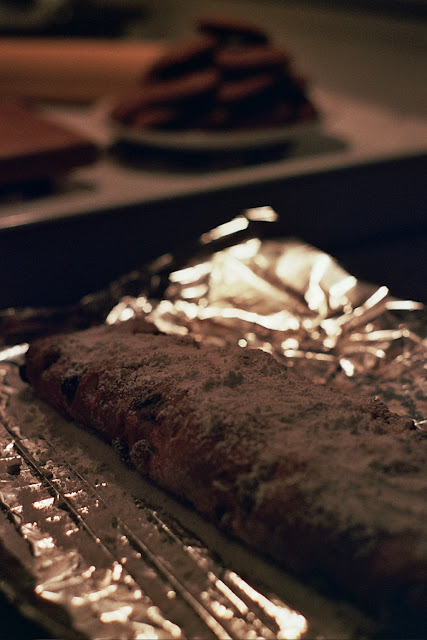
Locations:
329 486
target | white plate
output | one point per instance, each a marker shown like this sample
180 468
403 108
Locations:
198 140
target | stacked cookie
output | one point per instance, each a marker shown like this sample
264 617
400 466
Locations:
228 76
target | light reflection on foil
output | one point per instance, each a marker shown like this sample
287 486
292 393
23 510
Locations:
13 352
238 224
291 624
104 597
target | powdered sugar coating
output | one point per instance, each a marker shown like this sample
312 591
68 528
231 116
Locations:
272 458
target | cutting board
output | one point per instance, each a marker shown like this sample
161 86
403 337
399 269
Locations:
33 148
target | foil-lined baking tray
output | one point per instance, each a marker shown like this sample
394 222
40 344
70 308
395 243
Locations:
89 548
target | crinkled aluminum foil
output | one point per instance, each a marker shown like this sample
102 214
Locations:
102 564
295 302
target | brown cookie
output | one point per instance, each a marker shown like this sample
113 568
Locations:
248 60
246 90
229 77
158 118
198 84
229 31
216 118
197 87
185 56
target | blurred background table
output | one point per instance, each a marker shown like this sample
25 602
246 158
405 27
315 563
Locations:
356 189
